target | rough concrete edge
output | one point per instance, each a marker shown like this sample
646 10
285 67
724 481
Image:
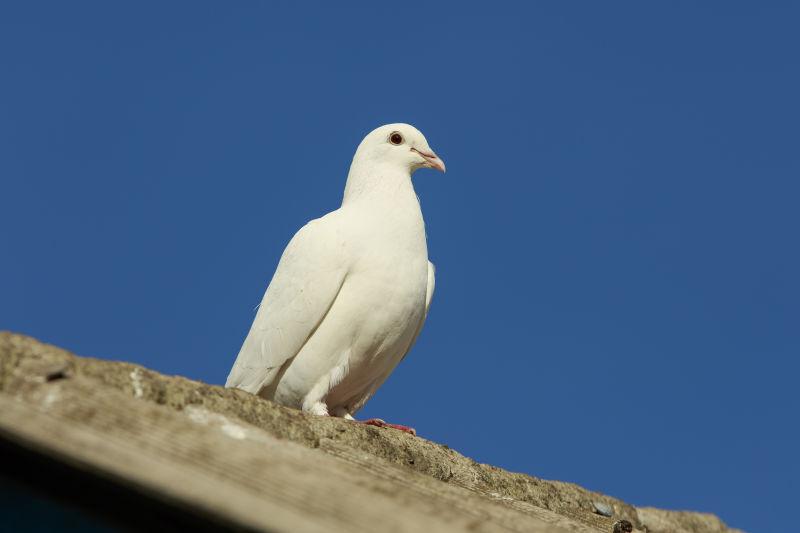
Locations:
418 454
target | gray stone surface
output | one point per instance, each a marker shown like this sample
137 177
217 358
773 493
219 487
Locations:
386 467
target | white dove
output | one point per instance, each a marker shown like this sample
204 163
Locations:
351 291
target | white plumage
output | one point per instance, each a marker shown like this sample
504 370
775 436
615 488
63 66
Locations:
351 291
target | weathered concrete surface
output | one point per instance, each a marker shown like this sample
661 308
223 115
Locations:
451 491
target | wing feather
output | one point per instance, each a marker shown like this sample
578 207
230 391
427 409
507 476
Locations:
308 279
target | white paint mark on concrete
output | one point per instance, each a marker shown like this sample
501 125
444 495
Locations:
136 381
234 431
197 414
51 397
225 424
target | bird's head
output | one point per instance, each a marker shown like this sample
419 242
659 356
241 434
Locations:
400 145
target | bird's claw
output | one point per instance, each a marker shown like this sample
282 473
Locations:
383 424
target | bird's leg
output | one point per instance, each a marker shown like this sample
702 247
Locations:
341 412
383 424
316 408
344 413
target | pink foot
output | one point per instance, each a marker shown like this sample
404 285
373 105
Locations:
383 424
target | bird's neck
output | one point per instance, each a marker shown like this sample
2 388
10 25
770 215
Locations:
386 201
379 185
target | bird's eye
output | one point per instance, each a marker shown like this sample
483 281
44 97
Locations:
396 139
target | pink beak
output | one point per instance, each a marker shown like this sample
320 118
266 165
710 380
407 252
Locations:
432 160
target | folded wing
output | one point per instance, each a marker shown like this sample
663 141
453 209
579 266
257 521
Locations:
308 279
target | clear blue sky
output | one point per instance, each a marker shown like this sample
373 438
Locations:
618 285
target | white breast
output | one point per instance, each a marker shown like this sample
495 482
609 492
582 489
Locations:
377 313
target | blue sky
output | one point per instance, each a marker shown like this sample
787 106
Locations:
616 238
